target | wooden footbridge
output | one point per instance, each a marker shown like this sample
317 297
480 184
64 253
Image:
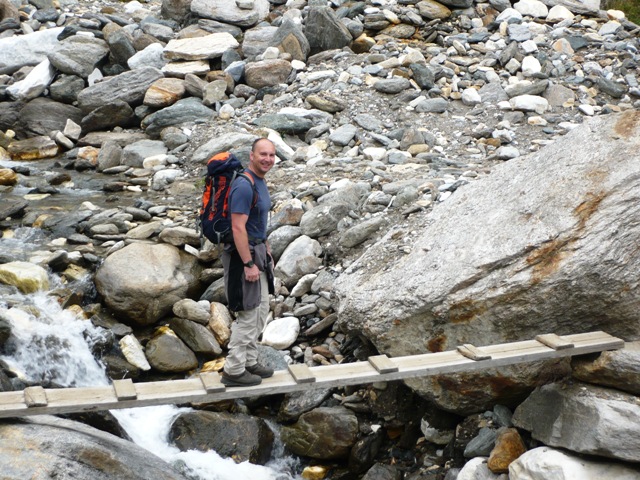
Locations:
206 387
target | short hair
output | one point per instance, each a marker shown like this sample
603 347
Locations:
259 139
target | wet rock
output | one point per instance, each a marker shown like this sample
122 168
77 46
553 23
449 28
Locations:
33 149
197 337
167 353
323 433
27 277
244 438
295 404
36 445
41 116
116 114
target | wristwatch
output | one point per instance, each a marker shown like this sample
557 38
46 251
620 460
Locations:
249 264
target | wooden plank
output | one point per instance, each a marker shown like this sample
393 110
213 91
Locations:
474 353
383 364
35 397
608 342
125 389
301 373
552 340
190 390
211 382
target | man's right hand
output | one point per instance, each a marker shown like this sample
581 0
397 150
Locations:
252 274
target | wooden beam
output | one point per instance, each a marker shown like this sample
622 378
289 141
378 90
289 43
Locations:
383 364
474 353
301 373
35 397
211 382
204 389
125 389
552 340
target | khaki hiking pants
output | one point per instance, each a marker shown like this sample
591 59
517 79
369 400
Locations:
245 330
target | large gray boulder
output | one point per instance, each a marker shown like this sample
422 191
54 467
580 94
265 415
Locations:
556 254
51 447
79 55
42 115
227 11
141 282
324 433
619 369
20 50
240 436
129 87
583 418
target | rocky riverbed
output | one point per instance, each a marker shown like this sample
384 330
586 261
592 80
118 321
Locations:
386 114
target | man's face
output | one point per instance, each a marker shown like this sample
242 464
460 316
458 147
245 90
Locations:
262 157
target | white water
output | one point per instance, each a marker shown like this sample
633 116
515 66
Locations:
48 343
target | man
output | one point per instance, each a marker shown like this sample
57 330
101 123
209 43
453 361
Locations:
248 268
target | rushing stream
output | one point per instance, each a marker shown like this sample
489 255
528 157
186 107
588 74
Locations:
54 345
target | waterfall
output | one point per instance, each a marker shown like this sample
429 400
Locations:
52 344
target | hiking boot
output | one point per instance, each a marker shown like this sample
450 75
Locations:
261 370
245 379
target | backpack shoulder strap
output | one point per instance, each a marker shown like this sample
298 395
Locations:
246 174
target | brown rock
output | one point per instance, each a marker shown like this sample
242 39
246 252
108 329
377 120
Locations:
164 92
266 73
8 177
33 149
509 446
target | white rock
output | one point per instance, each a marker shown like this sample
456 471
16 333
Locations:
471 97
587 109
304 285
150 56
200 48
529 46
508 15
281 333
133 352
530 66
507 153
532 8
226 112
72 130
298 65
529 103
476 469
165 177
271 53
609 28
545 463
616 15
375 153
155 161
34 83
537 121
559 13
